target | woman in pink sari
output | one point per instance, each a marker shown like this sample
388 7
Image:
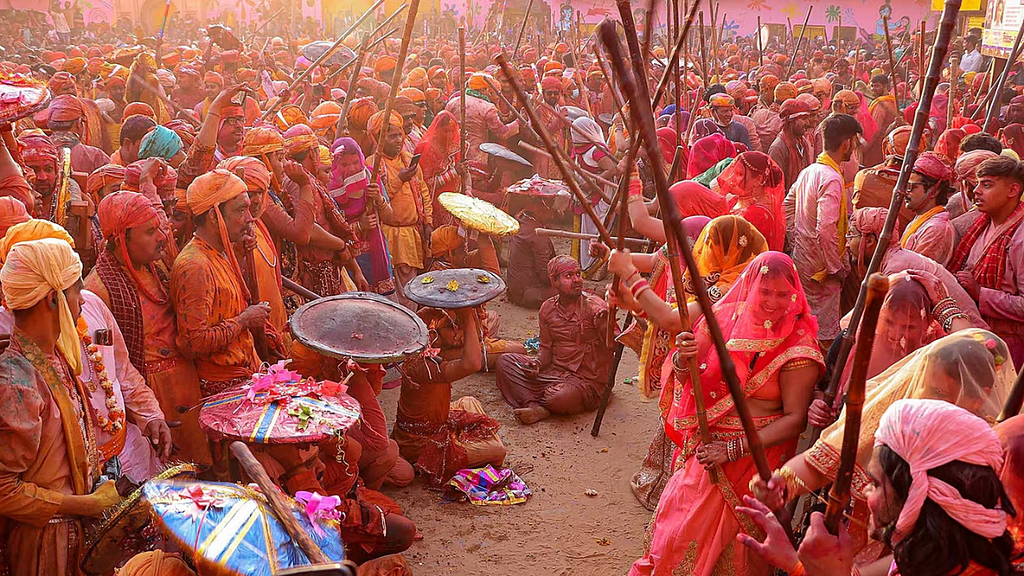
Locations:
753 189
771 335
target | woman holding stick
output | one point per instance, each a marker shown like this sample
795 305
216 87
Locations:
970 368
771 337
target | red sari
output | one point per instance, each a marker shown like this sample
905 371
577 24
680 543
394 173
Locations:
750 171
695 527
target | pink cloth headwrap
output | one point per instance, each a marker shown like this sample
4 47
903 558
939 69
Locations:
968 162
933 166
919 431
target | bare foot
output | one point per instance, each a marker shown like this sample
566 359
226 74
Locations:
531 414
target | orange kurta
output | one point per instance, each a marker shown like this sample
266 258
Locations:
411 206
208 297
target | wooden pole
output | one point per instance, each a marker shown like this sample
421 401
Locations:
892 65
839 36
549 144
714 46
946 25
352 83
839 495
282 510
636 56
299 289
678 116
519 38
954 75
616 97
921 54
327 54
464 183
674 56
582 236
998 88
704 72
796 48
396 81
621 197
760 47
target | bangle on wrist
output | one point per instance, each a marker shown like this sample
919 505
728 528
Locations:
798 569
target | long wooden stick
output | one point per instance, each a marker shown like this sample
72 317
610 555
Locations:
839 495
920 62
621 198
796 48
673 58
282 510
760 48
327 54
299 289
946 25
998 89
370 36
519 38
677 240
464 181
636 56
570 182
954 75
616 97
353 82
592 181
581 236
396 81
704 72
892 65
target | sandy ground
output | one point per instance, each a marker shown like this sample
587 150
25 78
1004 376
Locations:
559 530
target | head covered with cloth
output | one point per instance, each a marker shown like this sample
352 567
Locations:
221 195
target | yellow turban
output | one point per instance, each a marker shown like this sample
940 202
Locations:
325 155
262 140
33 270
155 563
212 189
417 78
34 229
374 124
482 80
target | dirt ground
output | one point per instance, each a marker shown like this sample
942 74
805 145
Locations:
559 530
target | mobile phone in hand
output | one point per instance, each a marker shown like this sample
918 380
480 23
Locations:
415 161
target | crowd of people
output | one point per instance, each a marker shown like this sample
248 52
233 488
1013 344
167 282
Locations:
169 208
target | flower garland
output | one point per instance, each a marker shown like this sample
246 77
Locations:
114 421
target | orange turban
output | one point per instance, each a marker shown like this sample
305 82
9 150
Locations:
290 115
360 111
377 119
384 64
482 80
122 211
62 83
75 65
17 187
262 140
255 172
325 115
12 212
553 65
139 108
847 97
413 94
212 189
417 78
784 91
155 563
65 108
103 177
212 77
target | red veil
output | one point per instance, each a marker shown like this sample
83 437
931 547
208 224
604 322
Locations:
746 174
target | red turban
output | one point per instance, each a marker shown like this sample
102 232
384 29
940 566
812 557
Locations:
164 182
66 108
551 83
212 77
930 164
37 148
102 177
300 138
139 108
122 211
62 83
562 264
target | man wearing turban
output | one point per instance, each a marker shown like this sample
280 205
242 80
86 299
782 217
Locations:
52 183
220 137
482 121
570 372
359 113
553 118
767 122
407 217
162 142
125 279
213 84
385 68
67 124
930 232
210 298
103 181
50 457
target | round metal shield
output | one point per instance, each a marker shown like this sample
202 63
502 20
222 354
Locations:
499 151
223 37
362 326
606 118
339 57
480 215
454 288
124 529
21 96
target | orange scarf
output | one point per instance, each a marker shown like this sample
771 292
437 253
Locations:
917 223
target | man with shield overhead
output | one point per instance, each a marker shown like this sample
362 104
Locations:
572 367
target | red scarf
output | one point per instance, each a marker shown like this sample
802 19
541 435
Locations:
989 270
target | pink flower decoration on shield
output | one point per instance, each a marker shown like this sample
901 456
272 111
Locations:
319 507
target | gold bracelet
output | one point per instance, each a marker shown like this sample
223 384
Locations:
793 482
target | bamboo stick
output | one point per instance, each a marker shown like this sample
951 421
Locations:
464 183
760 48
954 75
396 81
839 495
892 65
942 38
327 54
704 72
800 40
673 56
519 38
582 236
352 83
552 150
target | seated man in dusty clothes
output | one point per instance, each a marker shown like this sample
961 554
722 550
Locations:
572 367
438 436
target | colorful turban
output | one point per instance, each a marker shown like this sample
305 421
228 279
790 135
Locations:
325 115
34 269
155 563
75 65
37 149
12 212
898 140
553 66
968 163
722 101
298 139
360 111
847 97
562 264
784 91
255 172
481 81
213 189
164 183
551 83
404 106
413 94
140 108
184 131
122 211
160 142
384 64
62 83
17 187
101 178
377 119
417 78
262 140
794 108
212 77
918 430
65 108
767 83
933 166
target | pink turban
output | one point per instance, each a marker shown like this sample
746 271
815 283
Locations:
562 264
869 220
933 166
122 211
12 212
919 431
968 162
